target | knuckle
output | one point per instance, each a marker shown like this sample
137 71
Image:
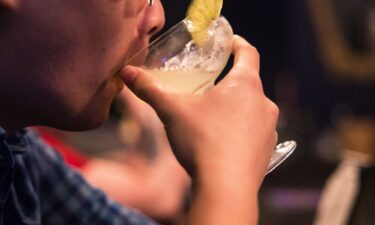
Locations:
275 138
247 76
274 109
253 80
254 51
251 51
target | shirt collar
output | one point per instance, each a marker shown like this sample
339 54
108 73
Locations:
16 141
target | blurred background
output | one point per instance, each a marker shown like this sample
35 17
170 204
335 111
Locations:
318 65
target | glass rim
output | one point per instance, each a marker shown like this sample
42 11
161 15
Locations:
174 28
158 39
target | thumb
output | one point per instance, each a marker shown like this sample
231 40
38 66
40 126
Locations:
146 87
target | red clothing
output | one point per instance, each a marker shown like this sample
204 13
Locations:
71 155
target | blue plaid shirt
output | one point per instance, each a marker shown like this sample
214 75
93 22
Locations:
36 187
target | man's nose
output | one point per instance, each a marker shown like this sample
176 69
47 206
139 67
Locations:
154 18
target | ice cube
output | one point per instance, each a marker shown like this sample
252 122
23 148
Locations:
211 57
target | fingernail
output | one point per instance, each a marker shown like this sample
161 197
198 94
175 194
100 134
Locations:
129 74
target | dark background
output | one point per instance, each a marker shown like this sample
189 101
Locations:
311 98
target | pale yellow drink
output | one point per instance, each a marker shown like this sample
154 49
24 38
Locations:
185 81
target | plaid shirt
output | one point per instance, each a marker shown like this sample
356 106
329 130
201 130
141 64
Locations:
36 187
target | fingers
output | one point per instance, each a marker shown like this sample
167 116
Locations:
273 110
246 65
135 107
276 138
273 115
246 56
146 87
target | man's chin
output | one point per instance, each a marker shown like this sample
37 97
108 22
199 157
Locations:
83 123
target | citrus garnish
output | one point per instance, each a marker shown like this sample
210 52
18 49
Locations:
200 14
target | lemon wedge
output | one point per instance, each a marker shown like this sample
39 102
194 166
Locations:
200 15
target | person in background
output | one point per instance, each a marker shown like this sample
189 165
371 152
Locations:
348 196
62 64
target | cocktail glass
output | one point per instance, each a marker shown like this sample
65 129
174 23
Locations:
185 66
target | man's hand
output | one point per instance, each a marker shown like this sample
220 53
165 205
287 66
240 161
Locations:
224 138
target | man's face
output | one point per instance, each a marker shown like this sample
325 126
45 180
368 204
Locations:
63 56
